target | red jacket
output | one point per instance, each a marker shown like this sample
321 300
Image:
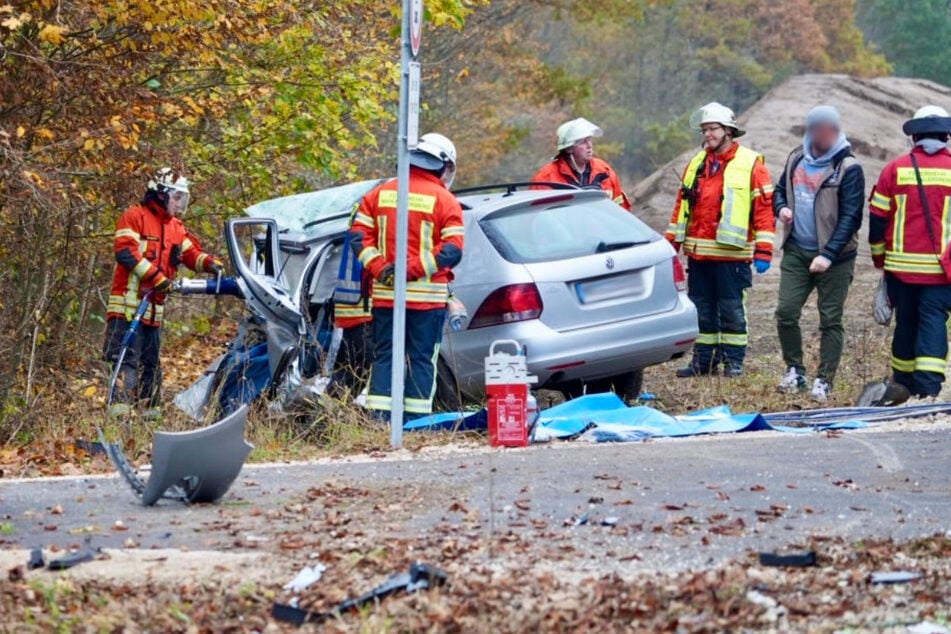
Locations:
706 213
599 172
435 239
898 233
150 244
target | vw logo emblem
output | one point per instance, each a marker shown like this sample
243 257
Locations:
609 263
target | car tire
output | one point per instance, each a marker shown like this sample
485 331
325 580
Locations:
628 386
448 397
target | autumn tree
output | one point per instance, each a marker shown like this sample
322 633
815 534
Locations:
252 98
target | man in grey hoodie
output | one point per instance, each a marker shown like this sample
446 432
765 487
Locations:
819 199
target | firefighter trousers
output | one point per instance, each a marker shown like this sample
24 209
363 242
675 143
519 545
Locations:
718 290
920 342
423 337
140 377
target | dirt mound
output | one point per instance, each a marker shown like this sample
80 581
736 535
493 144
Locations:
873 111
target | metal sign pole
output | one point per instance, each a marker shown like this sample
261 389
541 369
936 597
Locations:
412 11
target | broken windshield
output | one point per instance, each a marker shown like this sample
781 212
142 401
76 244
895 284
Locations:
314 213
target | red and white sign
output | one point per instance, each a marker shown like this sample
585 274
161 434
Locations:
416 26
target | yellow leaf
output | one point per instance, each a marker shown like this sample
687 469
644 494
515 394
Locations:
20 132
53 34
90 391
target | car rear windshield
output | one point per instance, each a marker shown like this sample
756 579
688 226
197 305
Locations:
564 230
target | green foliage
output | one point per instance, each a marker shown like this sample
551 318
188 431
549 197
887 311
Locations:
914 36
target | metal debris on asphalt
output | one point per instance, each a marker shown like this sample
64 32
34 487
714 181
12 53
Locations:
792 560
308 576
898 576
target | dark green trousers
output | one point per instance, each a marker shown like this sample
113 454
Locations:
796 283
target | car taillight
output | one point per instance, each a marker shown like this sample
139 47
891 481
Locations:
509 304
680 278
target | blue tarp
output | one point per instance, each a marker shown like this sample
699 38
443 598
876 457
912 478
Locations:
607 418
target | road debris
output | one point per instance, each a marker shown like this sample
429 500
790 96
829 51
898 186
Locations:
420 577
898 576
308 576
792 560
36 559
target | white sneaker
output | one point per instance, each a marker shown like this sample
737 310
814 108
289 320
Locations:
820 390
792 382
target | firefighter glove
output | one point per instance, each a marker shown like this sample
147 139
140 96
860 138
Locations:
217 267
761 266
387 275
163 287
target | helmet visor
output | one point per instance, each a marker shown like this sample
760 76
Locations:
177 202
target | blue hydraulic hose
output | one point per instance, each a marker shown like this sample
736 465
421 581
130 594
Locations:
127 341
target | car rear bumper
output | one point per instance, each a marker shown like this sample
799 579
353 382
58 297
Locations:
585 354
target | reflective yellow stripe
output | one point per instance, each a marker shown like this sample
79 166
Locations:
619 200
926 263
142 268
734 339
200 262
708 338
423 203
426 248
420 291
880 201
364 219
878 248
187 244
448 232
903 365
898 231
417 406
930 364
929 176
766 237
713 248
127 233
368 255
946 221
381 235
381 403
352 310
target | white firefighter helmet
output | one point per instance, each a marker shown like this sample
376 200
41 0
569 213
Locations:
715 112
928 120
576 130
433 152
175 186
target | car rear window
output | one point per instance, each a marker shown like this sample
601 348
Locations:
563 230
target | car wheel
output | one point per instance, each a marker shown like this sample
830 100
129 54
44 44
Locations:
448 397
628 386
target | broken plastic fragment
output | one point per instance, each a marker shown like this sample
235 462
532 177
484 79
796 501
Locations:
36 559
793 560
898 576
308 576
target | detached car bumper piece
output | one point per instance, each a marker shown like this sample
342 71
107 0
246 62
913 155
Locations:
192 466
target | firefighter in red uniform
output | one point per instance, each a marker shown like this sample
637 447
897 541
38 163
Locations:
723 219
909 233
576 164
435 247
151 242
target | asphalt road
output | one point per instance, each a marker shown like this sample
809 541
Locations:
676 504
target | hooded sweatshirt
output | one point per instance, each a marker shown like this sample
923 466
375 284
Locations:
807 179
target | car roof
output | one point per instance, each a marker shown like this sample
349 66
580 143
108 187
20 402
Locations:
483 204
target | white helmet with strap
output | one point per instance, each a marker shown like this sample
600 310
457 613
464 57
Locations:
715 112
433 151
928 120
571 132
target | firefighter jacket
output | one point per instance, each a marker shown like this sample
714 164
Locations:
838 207
435 239
597 174
898 232
150 245
724 210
